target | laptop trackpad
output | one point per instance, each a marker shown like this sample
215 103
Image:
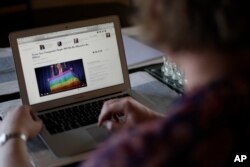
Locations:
98 134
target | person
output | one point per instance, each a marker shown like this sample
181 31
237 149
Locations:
19 121
207 126
61 69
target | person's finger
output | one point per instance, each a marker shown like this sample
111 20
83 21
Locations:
34 116
113 126
24 110
37 122
115 118
106 113
38 126
30 113
109 108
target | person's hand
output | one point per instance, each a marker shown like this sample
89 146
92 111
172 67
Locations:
22 121
134 113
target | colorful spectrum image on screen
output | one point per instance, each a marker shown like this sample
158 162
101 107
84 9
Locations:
60 77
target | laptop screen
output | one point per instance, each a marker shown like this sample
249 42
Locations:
65 63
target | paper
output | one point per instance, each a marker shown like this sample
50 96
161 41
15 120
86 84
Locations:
5 52
136 52
140 78
153 91
147 63
9 105
7 67
9 87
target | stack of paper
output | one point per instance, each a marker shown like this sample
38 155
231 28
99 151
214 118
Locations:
139 55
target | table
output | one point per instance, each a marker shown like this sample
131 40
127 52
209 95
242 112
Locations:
156 93
159 95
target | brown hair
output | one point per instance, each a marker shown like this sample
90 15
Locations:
198 24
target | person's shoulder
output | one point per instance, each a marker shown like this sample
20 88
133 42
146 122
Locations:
220 92
225 100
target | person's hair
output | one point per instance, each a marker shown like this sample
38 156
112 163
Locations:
198 24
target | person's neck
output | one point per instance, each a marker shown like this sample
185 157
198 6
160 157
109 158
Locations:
202 69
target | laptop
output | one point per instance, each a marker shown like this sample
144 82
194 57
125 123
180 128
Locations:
65 73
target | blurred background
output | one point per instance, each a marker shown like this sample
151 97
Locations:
23 14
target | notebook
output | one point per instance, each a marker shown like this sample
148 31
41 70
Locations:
65 73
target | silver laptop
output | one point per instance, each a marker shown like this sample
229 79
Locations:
65 73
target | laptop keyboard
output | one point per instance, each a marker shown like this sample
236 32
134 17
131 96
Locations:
74 117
